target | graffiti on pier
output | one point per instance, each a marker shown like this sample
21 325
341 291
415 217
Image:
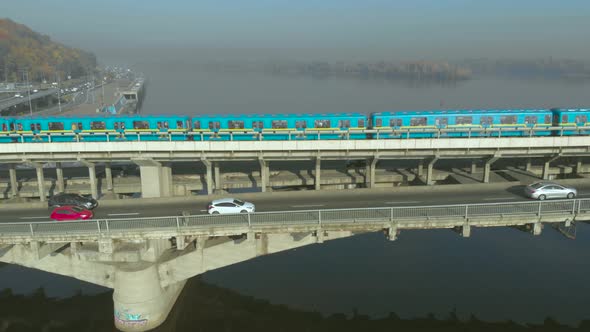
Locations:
128 318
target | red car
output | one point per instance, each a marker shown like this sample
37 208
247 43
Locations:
69 212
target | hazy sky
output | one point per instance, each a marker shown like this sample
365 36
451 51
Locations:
428 29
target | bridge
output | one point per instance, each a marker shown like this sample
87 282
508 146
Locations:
156 159
148 260
8 103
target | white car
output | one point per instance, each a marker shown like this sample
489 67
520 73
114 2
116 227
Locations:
229 205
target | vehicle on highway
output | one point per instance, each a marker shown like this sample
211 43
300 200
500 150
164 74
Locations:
229 205
70 212
18 95
546 190
63 199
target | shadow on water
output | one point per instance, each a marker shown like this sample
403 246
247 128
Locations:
203 307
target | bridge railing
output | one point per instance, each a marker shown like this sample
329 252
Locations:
243 134
463 212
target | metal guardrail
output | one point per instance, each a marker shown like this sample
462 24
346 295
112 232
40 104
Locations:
359 216
239 134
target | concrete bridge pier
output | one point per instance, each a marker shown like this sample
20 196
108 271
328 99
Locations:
429 175
140 302
13 180
370 172
40 181
208 175
92 177
108 174
217 175
488 167
264 174
156 178
59 171
318 173
546 166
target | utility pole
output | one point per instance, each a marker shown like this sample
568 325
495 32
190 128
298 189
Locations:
58 91
29 91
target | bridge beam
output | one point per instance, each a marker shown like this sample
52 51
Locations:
208 176
547 165
13 180
488 167
318 173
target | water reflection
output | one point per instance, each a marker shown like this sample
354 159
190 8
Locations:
204 307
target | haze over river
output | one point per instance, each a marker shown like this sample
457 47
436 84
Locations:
496 274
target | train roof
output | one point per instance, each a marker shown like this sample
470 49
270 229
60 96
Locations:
280 115
461 112
570 110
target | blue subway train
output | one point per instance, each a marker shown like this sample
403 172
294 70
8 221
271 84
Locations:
326 126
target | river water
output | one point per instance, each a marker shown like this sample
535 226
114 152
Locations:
497 274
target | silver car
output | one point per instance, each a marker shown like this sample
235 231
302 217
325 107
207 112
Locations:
229 205
546 190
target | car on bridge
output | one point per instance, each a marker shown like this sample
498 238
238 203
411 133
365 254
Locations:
545 190
70 212
229 205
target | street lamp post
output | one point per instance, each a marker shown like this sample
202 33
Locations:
58 91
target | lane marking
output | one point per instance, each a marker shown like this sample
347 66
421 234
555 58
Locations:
34 217
497 198
583 194
123 214
309 205
402 202
203 210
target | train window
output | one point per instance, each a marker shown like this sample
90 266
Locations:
547 118
421 121
343 123
322 123
564 118
486 120
530 119
197 124
162 124
581 118
120 125
234 124
141 125
74 126
56 126
179 124
361 123
97 125
279 124
20 127
12 127
214 124
508 119
257 125
464 120
4 127
32 126
378 122
395 122
441 121
80 127
301 124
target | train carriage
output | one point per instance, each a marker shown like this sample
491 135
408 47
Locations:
570 119
6 129
279 126
459 123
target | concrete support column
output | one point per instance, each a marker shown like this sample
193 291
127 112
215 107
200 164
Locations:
370 172
41 182
578 166
546 166
318 173
59 172
208 176
473 167
488 167
537 228
108 174
140 302
264 174
392 233
429 175
528 166
166 180
466 231
93 182
217 172
13 181
420 169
